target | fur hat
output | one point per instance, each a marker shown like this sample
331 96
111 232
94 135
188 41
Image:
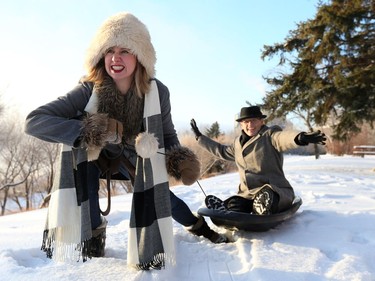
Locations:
126 31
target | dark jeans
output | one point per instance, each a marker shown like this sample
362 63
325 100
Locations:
93 188
239 204
180 211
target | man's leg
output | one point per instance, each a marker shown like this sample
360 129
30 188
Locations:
239 204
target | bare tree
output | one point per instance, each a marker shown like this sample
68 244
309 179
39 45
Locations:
20 163
9 171
30 161
48 154
27 165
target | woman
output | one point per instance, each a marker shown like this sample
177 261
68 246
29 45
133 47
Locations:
118 109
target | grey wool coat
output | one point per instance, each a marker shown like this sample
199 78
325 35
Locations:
57 121
259 161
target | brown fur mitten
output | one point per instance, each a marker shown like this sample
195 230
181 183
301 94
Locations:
114 131
98 130
183 164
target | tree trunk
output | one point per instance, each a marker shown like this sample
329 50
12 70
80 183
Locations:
316 150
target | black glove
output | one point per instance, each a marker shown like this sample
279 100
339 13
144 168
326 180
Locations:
195 129
313 137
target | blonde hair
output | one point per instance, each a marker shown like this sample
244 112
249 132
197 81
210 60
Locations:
140 85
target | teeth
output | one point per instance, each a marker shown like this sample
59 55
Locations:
117 67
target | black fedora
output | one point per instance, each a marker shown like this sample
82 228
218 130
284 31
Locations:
250 112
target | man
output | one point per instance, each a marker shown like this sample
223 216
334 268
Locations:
258 153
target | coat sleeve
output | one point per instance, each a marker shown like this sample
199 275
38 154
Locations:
283 140
222 151
170 135
57 120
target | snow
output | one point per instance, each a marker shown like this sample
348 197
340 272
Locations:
332 236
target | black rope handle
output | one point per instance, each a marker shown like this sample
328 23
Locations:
106 212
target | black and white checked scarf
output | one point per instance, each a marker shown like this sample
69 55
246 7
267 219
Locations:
150 242
68 226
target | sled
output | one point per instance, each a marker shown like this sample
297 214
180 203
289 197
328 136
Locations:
249 222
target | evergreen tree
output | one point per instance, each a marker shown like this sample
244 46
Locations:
214 131
331 60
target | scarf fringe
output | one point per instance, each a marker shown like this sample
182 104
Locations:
158 262
47 244
61 251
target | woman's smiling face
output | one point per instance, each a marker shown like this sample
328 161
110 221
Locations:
120 63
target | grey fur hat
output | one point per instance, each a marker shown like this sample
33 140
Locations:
126 31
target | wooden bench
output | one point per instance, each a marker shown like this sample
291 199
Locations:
362 150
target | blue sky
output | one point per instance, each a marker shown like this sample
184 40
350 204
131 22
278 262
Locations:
208 52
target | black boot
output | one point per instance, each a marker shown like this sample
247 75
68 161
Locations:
96 244
201 228
265 202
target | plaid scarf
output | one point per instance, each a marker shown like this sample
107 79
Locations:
68 225
150 240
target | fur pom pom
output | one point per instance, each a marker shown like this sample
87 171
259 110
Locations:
183 164
146 145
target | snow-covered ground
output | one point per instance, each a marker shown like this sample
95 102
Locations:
332 237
